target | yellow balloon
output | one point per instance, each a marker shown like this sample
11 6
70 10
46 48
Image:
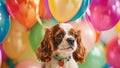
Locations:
117 27
29 54
64 10
17 40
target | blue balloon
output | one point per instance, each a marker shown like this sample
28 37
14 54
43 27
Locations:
82 10
4 21
2 0
106 65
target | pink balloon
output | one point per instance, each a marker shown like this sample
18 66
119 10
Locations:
104 14
4 56
28 64
113 52
87 33
0 58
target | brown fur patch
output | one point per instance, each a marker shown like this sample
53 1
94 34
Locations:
55 31
80 54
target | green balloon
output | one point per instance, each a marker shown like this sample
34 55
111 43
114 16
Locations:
36 36
94 59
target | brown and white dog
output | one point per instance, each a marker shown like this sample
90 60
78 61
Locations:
61 47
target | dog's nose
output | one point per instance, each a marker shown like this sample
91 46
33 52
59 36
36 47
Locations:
70 41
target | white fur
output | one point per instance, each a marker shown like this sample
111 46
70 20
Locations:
63 52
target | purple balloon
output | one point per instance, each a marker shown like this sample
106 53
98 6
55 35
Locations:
104 14
113 52
47 7
3 52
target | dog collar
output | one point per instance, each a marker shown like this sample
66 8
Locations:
61 61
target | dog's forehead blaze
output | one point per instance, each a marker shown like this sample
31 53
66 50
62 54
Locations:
66 27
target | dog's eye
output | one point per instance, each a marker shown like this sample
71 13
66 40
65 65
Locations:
75 35
60 35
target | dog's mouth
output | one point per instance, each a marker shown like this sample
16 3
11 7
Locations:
67 48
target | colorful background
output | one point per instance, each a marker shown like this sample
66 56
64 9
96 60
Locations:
22 24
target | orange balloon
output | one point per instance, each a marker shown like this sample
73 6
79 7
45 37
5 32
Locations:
64 10
28 64
17 41
23 11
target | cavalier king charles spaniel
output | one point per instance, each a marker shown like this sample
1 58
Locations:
61 47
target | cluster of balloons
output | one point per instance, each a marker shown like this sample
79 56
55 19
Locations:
22 24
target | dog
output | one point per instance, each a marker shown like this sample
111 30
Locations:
61 47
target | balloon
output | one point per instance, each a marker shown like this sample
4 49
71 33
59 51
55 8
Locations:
4 22
117 27
29 54
103 14
107 66
28 64
64 10
108 34
0 57
87 34
17 40
4 57
82 10
47 7
43 12
2 0
103 48
23 11
113 52
36 36
94 59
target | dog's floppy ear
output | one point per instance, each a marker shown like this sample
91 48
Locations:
44 52
80 54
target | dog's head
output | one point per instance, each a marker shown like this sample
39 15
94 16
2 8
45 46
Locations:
61 38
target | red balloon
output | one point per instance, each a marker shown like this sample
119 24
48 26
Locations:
24 11
28 64
113 52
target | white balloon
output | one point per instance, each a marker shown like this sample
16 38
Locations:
88 34
107 35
